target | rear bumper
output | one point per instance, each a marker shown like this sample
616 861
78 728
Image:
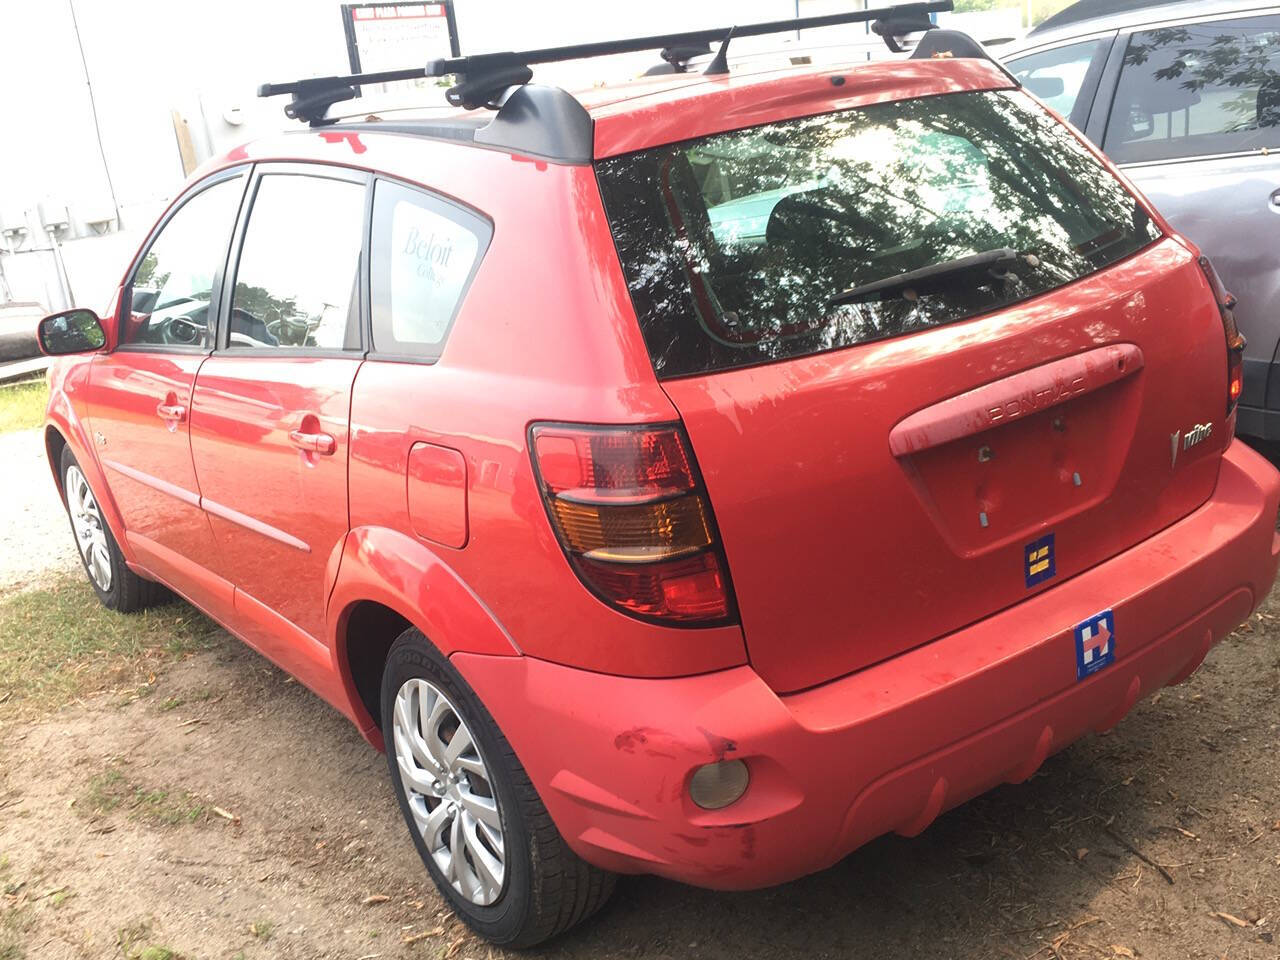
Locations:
888 748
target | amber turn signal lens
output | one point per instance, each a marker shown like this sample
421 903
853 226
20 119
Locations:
633 533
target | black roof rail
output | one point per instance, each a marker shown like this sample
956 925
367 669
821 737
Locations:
485 77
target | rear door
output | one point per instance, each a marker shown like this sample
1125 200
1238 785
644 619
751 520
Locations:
1195 121
140 393
269 420
890 468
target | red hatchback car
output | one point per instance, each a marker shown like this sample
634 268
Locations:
699 478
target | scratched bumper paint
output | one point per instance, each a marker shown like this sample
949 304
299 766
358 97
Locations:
890 747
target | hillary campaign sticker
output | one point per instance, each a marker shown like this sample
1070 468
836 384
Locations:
1095 644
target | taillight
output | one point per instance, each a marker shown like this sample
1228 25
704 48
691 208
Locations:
1235 339
630 511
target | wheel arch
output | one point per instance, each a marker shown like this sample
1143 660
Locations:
54 444
386 583
64 430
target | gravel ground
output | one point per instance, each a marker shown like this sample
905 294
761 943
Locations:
35 538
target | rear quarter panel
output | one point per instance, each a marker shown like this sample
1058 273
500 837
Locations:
546 332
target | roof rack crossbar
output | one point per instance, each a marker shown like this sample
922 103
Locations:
582 51
485 76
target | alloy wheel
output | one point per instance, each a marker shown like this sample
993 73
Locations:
90 531
450 792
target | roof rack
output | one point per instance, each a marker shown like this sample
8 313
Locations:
484 78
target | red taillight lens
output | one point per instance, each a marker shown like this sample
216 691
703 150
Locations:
1235 339
628 508
637 463
692 588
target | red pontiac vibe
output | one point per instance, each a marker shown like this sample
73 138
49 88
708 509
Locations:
701 478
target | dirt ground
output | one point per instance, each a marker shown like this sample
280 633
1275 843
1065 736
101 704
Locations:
228 813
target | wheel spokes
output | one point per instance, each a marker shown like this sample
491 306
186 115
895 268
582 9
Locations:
449 790
409 741
434 824
484 809
489 869
460 743
89 530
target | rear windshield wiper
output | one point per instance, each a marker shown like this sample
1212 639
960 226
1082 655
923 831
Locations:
989 265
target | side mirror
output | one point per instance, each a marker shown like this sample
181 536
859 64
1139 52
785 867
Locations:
71 331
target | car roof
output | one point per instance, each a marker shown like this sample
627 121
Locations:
1096 16
648 111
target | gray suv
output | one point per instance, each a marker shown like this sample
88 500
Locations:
1185 97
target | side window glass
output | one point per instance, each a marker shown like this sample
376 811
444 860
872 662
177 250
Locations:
172 288
1056 76
1198 90
423 255
297 279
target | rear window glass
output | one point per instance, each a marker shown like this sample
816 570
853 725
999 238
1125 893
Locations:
734 244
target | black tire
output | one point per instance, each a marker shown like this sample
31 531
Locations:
127 592
547 888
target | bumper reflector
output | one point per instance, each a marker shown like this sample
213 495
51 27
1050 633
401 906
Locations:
717 785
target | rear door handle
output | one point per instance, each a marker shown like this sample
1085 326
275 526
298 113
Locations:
322 443
171 411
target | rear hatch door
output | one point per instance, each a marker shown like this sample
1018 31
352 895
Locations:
891 468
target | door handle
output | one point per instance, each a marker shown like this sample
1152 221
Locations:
171 411
321 443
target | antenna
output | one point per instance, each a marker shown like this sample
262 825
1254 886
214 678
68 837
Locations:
720 64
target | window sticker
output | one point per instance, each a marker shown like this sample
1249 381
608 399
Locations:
431 259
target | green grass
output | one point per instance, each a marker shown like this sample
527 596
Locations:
22 405
58 644
110 790
130 942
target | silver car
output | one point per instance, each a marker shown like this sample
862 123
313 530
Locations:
1185 97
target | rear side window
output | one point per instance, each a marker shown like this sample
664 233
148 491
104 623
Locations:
1197 90
733 245
423 254
297 281
1056 76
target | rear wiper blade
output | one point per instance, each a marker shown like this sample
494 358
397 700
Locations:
988 265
